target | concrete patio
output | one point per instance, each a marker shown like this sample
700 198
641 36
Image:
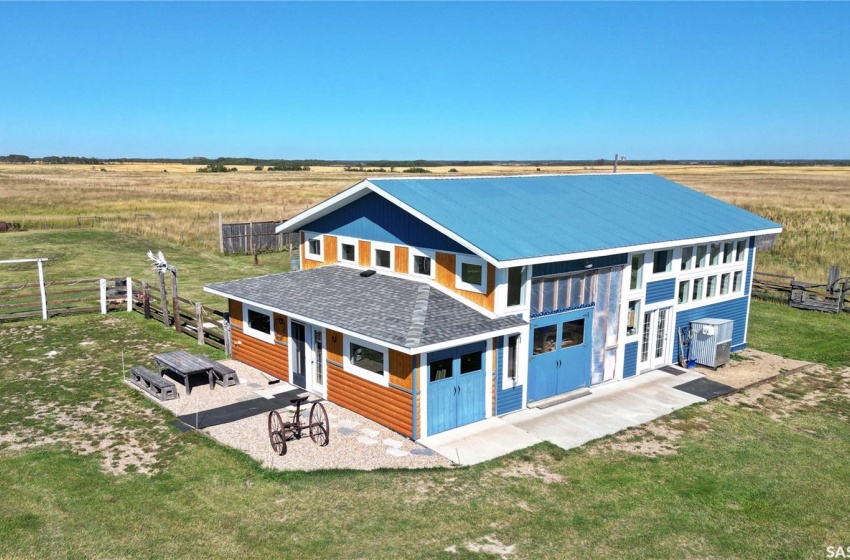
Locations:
607 410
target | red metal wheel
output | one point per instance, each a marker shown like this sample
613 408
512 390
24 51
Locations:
278 443
320 426
276 433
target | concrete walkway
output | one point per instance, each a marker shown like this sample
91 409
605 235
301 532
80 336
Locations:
607 410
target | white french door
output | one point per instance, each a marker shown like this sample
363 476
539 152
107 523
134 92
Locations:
655 338
318 373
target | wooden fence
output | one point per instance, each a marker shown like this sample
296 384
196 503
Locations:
248 237
61 297
831 297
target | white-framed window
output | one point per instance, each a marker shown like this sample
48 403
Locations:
737 281
512 359
421 263
741 252
684 291
633 318
687 258
347 250
383 256
471 274
258 323
314 249
636 280
515 294
662 261
366 360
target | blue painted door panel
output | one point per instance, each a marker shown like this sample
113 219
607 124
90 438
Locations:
470 398
299 362
441 405
455 398
557 370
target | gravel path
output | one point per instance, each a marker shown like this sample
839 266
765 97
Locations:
355 442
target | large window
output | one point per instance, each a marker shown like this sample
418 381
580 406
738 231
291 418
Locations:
257 323
637 272
516 285
662 261
545 339
572 333
366 358
471 274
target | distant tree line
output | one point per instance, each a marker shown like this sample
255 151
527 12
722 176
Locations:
215 168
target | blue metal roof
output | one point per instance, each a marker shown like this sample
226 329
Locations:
522 217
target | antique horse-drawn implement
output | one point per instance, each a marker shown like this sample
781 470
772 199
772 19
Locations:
318 426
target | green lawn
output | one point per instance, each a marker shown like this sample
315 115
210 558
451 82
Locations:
747 486
805 335
91 253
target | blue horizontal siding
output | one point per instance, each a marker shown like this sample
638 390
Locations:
510 399
566 267
735 309
374 218
630 359
751 257
663 290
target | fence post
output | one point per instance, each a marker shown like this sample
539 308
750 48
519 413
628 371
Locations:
146 302
174 302
220 233
129 294
103 296
41 289
199 326
163 299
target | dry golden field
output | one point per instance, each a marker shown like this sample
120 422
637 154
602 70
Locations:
172 202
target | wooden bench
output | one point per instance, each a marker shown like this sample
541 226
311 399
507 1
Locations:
156 385
224 376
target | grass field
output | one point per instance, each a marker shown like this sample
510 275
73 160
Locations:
94 470
812 203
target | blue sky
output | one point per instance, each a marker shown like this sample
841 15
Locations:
426 80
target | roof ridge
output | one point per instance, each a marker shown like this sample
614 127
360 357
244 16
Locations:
417 318
518 175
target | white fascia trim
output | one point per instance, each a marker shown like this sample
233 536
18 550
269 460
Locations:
520 329
633 248
333 203
442 229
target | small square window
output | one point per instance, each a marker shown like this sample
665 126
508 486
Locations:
684 291
471 273
711 286
661 261
572 333
440 369
315 246
687 256
382 258
348 252
422 265
696 293
470 362
545 339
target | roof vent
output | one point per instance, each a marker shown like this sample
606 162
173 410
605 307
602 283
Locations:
367 273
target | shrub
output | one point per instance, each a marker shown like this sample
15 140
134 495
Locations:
416 170
215 168
452 170
258 168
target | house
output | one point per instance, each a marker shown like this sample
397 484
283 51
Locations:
430 303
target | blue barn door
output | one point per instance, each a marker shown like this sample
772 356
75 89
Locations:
560 354
456 387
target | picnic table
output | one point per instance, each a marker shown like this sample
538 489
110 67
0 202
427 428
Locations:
185 365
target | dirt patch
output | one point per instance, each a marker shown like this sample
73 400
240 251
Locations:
654 439
489 544
535 471
750 366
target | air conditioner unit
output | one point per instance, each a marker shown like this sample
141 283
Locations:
712 341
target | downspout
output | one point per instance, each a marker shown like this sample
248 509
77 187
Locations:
415 395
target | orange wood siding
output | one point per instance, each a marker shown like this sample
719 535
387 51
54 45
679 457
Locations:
236 313
389 407
445 276
280 330
270 358
330 249
365 253
401 369
401 259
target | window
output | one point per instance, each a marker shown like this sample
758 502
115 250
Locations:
422 265
711 286
471 274
544 339
662 261
687 256
715 254
637 272
632 319
700 256
383 258
728 252
572 333
737 281
742 248
724 284
684 291
348 252
513 342
440 369
516 285
470 362
366 358
696 293
257 323
313 247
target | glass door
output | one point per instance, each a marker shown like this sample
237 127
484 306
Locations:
655 339
318 361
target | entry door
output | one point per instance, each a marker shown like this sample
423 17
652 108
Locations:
655 339
456 387
298 359
560 354
318 369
